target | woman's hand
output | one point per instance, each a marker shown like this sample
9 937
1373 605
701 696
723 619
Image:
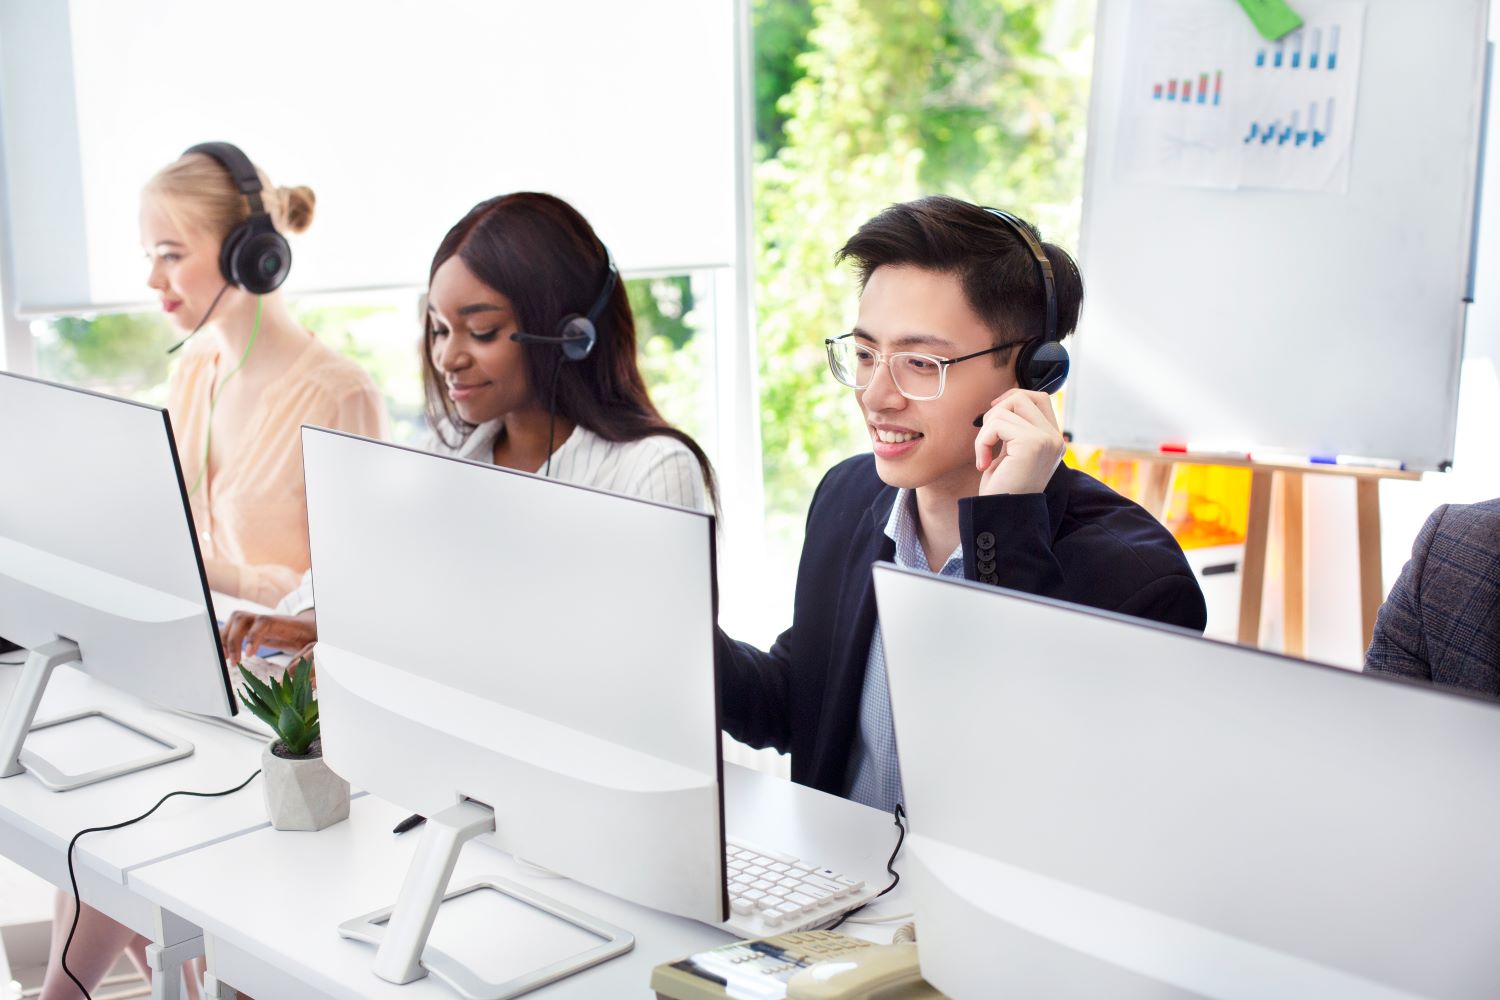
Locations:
283 632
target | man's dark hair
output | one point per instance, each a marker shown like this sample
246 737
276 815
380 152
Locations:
996 269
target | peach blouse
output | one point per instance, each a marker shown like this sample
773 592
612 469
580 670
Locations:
252 513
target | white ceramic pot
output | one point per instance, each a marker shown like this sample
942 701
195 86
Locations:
302 793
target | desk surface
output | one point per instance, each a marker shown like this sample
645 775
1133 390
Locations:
36 824
272 901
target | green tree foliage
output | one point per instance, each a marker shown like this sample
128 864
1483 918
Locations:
781 30
121 353
982 99
672 350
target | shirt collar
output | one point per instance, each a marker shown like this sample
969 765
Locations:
901 528
479 446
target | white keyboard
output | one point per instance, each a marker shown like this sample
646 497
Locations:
772 893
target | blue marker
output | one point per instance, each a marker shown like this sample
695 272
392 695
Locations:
1323 459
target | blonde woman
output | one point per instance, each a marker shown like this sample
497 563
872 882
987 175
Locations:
249 378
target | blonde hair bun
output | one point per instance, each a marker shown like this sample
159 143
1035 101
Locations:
200 193
297 204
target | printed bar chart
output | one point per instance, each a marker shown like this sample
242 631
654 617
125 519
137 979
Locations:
1288 52
1292 133
1183 92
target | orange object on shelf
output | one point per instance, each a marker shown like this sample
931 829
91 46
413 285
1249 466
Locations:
1209 504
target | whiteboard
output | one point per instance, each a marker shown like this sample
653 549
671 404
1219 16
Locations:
399 114
1290 322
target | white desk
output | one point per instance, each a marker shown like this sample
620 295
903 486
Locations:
36 824
270 903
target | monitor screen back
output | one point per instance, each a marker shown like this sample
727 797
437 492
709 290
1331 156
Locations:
540 647
97 544
1140 811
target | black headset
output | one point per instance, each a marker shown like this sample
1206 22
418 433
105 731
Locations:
1042 365
254 256
576 334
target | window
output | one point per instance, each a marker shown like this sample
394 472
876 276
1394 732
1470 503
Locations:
125 354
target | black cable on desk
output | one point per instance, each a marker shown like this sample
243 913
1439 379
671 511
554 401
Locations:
898 814
73 877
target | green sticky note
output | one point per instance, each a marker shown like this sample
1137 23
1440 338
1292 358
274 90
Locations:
1273 18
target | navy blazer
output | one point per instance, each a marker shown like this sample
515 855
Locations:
1077 541
1441 622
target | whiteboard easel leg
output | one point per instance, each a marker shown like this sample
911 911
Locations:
1294 561
1157 492
1253 576
1371 581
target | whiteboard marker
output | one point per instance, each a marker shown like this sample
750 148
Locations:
1358 462
1212 450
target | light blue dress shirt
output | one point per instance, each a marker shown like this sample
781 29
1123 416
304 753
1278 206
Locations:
875 769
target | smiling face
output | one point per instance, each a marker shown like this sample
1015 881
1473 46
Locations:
929 442
471 323
184 264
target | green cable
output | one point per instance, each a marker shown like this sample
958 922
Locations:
213 400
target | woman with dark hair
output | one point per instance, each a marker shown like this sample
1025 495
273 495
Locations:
532 262
517 288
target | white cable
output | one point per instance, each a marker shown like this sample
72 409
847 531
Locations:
881 919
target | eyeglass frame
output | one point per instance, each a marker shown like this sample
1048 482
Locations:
881 357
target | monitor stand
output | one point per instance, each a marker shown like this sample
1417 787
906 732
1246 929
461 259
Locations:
21 713
401 932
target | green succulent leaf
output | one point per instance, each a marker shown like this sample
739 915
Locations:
256 698
293 733
287 704
259 693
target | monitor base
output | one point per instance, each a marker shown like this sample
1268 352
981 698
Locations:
20 721
400 932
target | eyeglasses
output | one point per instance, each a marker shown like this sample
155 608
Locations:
916 376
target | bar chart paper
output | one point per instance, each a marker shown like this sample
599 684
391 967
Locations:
1212 104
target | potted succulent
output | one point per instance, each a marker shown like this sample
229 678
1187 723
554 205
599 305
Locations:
302 793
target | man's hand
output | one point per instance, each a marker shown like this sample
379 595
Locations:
284 632
1020 444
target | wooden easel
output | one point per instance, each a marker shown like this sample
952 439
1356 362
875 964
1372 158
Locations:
1157 474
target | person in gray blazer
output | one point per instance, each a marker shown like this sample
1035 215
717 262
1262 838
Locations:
1441 622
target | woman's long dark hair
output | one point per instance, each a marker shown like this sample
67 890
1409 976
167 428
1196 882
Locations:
537 251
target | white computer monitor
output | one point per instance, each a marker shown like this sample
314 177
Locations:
1102 806
523 660
99 566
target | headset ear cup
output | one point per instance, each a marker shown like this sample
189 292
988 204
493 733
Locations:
1042 366
576 337
229 251
255 257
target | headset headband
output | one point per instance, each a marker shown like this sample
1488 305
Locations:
1044 266
611 278
241 170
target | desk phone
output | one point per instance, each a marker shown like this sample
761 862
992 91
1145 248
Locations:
807 965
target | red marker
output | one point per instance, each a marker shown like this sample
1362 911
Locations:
1174 449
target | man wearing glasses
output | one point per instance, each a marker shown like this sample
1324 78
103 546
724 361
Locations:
960 307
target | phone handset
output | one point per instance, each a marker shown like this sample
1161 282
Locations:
888 972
